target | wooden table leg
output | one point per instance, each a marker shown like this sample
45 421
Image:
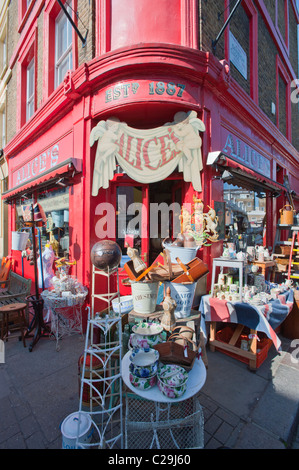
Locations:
253 348
22 320
236 334
212 335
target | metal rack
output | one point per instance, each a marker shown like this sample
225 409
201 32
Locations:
152 425
101 380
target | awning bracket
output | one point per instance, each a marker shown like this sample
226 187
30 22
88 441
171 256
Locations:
214 42
83 39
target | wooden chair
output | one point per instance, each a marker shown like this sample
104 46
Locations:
13 318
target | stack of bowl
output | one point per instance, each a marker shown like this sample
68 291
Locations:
146 335
143 368
122 305
172 380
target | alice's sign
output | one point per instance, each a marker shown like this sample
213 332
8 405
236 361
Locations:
243 153
44 161
148 155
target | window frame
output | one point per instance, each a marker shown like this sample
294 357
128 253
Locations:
27 54
251 12
51 12
281 72
285 40
3 44
24 9
30 98
67 52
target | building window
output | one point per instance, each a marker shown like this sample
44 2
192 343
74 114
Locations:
3 52
3 127
63 47
283 103
282 20
60 53
27 80
24 9
242 42
30 90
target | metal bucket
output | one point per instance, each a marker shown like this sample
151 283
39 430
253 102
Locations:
145 296
57 217
184 254
287 215
19 240
183 294
76 425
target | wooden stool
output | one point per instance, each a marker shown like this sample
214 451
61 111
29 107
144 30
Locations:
18 309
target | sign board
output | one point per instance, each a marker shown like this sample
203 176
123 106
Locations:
237 55
44 161
247 155
144 90
148 155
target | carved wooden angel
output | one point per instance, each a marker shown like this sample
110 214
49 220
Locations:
186 128
106 133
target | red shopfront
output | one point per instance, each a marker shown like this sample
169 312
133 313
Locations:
63 158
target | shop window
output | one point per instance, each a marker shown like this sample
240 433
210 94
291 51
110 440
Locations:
55 232
63 47
245 222
19 212
55 204
30 84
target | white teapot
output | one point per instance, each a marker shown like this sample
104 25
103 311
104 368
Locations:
241 256
266 254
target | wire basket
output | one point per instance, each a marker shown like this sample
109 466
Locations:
150 425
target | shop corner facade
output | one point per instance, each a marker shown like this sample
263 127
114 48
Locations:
110 143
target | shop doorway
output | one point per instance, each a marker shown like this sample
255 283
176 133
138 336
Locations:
146 214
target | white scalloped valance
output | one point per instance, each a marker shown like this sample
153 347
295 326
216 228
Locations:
148 155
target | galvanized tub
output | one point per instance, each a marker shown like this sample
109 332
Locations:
183 294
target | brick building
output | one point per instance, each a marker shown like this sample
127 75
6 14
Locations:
142 62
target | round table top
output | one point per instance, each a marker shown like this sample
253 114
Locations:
196 379
13 307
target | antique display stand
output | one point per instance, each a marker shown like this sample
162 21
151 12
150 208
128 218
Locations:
36 302
101 378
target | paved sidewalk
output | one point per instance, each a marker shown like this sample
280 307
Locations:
242 409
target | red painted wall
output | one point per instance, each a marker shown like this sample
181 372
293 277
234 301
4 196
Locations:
145 21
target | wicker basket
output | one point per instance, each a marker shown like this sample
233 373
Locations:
282 264
285 250
171 352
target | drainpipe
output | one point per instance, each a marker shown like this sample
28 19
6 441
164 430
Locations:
200 25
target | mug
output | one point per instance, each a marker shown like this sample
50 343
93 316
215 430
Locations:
261 257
